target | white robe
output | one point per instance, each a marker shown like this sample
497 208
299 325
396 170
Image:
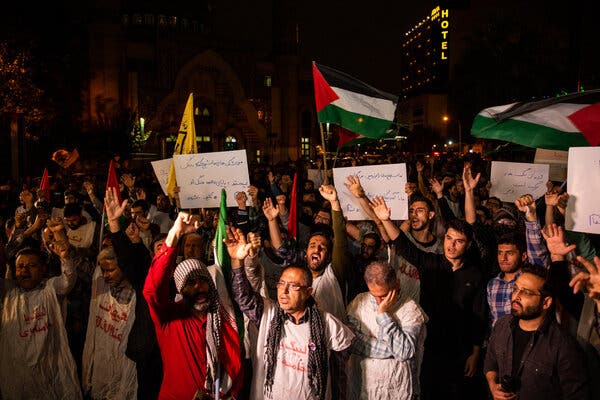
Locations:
107 372
327 293
390 378
35 359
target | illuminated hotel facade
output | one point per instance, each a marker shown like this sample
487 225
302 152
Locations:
426 52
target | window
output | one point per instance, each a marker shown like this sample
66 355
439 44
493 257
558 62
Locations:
305 147
258 156
230 143
267 80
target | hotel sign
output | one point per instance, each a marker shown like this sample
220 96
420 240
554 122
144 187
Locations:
439 15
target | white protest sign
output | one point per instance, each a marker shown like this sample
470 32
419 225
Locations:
583 181
161 170
202 176
557 159
512 180
377 180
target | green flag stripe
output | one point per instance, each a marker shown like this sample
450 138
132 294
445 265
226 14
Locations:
361 124
224 261
526 134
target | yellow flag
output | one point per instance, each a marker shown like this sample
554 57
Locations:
186 141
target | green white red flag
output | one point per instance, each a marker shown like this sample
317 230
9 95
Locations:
362 110
557 123
223 261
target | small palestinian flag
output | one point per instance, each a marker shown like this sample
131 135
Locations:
362 110
557 123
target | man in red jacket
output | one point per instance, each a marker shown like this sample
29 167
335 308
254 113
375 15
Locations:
198 343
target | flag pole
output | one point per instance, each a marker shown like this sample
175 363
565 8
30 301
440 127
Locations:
325 178
335 157
101 229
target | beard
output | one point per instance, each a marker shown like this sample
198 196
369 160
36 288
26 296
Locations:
199 302
526 313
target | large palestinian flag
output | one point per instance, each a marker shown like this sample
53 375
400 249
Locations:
360 109
557 123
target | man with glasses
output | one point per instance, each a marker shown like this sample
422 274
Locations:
294 336
529 356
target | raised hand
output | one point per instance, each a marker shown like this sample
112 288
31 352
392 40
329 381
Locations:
111 204
589 279
61 249
271 212
353 185
128 180
253 193
420 167
328 192
555 240
388 302
133 233
469 182
89 188
255 242
551 199
526 204
410 188
381 209
184 223
437 187
236 243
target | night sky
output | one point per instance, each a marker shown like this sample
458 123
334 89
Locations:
357 37
362 39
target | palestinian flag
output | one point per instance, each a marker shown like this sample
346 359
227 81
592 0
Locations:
557 123
361 109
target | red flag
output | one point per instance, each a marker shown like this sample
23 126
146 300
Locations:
112 181
45 185
293 220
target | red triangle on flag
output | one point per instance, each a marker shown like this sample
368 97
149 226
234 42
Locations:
324 94
293 219
112 181
346 136
587 120
45 185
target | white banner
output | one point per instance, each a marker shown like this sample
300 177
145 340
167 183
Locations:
512 180
583 182
161 170
557 159
202 176
377 180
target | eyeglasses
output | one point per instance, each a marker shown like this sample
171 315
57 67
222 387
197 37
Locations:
528 293
291 285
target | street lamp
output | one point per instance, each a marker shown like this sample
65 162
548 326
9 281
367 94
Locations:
446 119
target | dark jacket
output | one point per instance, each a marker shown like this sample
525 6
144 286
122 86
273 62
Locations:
553 363
453 300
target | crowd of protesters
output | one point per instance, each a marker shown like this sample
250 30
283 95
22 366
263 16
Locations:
119 294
